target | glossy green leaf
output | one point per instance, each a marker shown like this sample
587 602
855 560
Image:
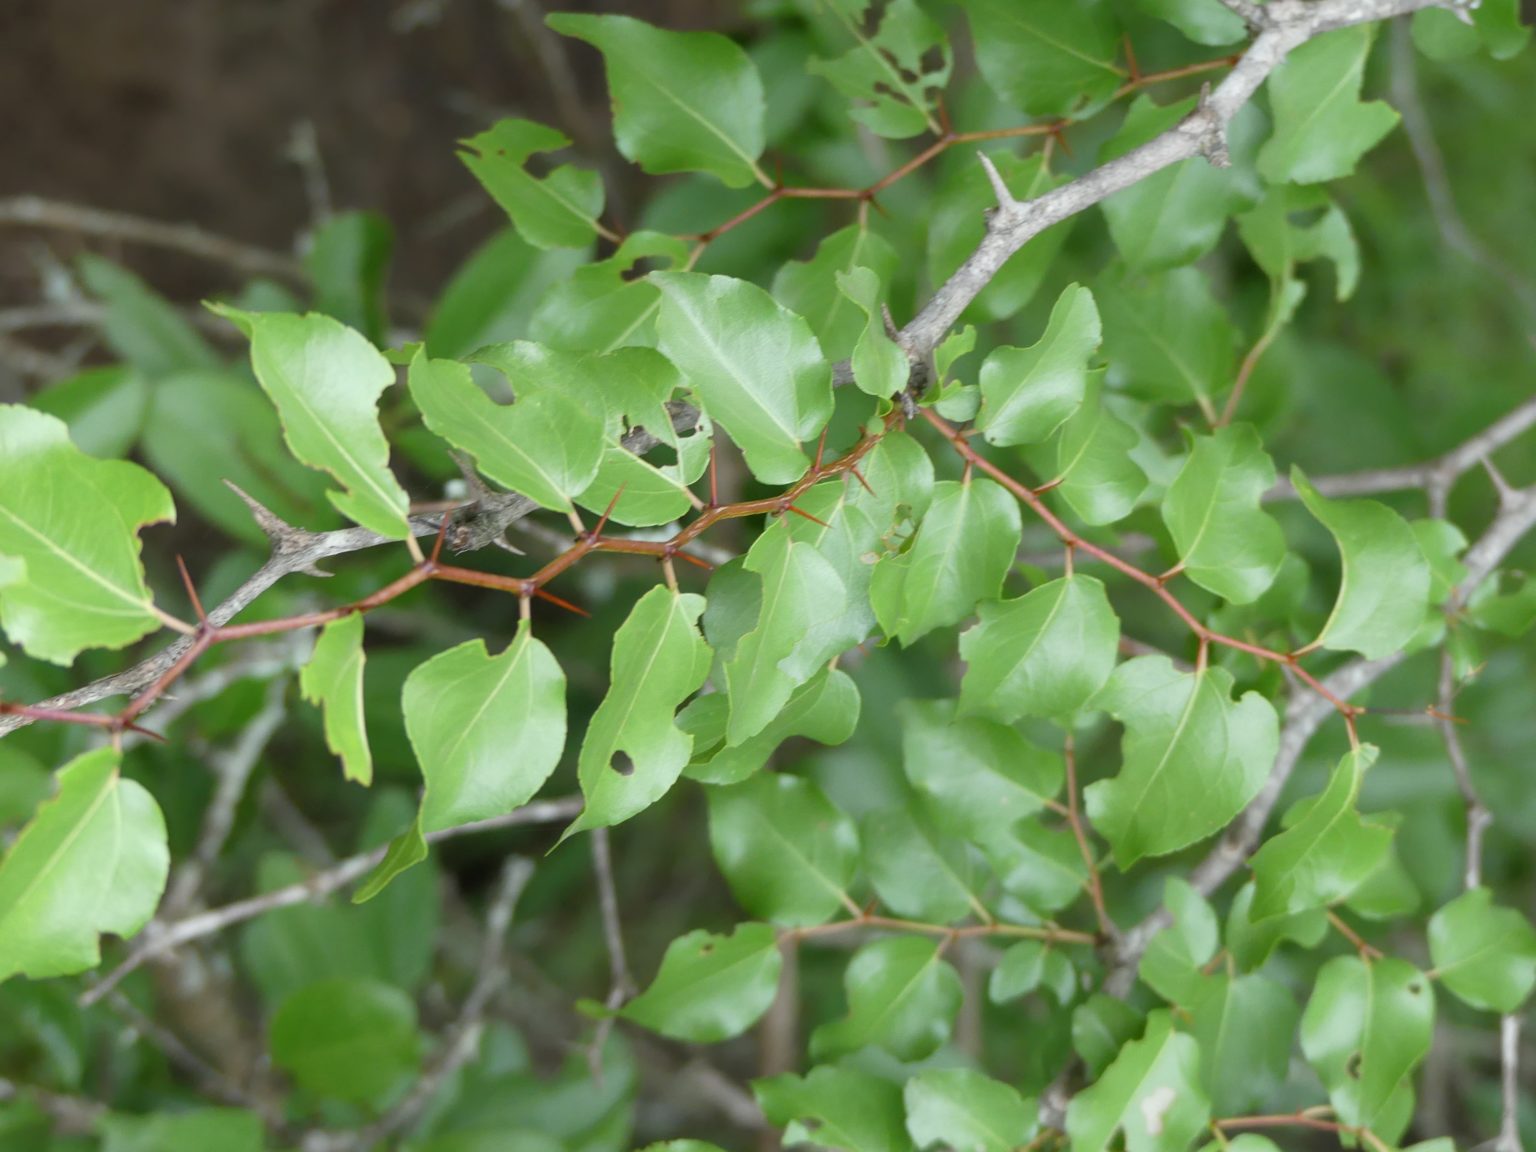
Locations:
1385 581
880 367
902 997
754 365
1042 867
92 859
1321 126
959 1108
633 751
1203 21
557 211
602 305
916 870
810 289
682 101
836 1107
1484 954
963 549
1028 393
1227 544
325 380
894 91
1030 965
1096 474
1175 957
1326 848
348 1039
786 852
1192 757
1366 1027
980 778
1151 1094
547 445
1044 654
1168 339
1048 58
333 682
1250 941
69 535
824 709
1246 1028
711 987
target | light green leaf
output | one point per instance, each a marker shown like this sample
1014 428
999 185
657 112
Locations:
959 1108
92 859
1227 544
1048 57
1028 393
1193 758
902 996
836 1107
1101 1026
1385 581
1203 21
325 380
345 1038
980 778
1168 340
1039 866
105 409
69 537
348 263
633 751
1044 654
198 1130
964 547
1097 476
1365 1029
711 987
1032 964
810 288
880 367
141 326
824 709
916 870
603 305
1278 244
1442 34
547 445
557 211
1485 955
787 854
500 293
1326 850
333 682
885 74
1151 1093
682 101
1246 1027
755 366
1321 127
1250 941
1172 963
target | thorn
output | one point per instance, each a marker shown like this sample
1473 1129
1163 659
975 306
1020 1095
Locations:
1211 136
442 534
197 605
714 476
879 207
821 447
1502 486
1005 201
284 536
697 561
1130 60
1060 136
814 519
506 545
859 476
602 520
130 726
566 604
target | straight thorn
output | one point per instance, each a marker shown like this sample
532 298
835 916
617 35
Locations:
197 605
814 519
1005 200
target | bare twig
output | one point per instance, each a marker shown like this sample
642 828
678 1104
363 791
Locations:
1508 1139
620 983
73 1115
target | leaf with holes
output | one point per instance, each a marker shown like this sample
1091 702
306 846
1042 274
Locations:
558 211
893 92
836 1107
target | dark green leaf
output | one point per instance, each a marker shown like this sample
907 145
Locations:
902 996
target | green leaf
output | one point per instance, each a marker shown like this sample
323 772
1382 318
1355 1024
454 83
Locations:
325 380
1203 21
980 778
69 535
1042 867
1278 244
1151 1093
227 1129
633 751
825 709
836 1107
916 870
557 211
464 709
348 261
711 987
1227 544
1495 24
1326 850
348 1039
1095 472
92 859
141 326
1246 1027
104 408
755 366
682 101
964 547
501 293
1028 393
1032 964
333 682
1385 581
1049 57
1172 963
885 74
1168 340
1321 126
902 997
1365 1029
1485 955
1193 758
811 289
1044 654
547 445
603 305
1251 941
786 852
880 367
1176 215
959 1108
802 597
1101 1026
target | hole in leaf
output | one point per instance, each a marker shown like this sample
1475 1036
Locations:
622 764
1352 1066
1415 988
